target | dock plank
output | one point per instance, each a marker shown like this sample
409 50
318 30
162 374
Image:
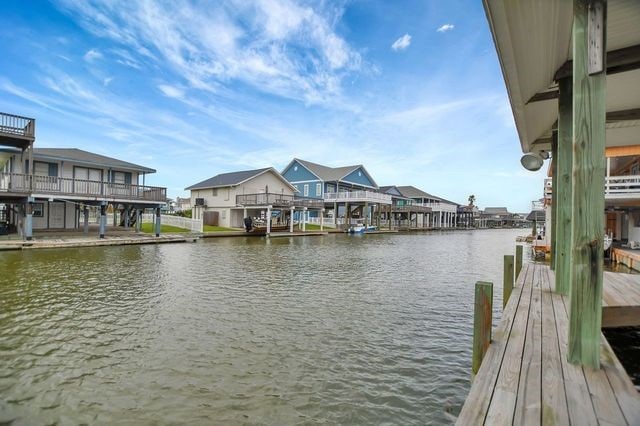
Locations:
475 408
503 404
529 398
554 398
579 402
526 378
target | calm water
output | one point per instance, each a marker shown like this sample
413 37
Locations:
337 329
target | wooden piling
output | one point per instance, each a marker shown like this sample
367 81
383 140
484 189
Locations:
518 260
508 279
482 316
587 222
562 185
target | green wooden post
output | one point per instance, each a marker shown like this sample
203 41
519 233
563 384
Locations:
563 185
482 316
507 284
589 112
554 198
518 260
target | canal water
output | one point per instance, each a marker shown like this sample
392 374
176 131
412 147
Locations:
337 329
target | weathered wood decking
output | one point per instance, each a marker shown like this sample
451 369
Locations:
620 300
525 377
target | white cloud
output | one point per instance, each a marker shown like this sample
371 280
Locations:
286 48
107 81
446 27
92 55
402 43
171 91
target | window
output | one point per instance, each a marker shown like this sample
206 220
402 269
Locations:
121 178
214 192
318 189
38 209
306 189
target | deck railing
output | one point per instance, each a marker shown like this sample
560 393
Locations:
15 125
357 196
615 187
22 183
278 200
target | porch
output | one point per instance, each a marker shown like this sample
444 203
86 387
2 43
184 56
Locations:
18 184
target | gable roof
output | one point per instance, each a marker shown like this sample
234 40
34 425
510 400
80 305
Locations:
496 210
326 173
389 190
413 192
235 178
537 215
85 157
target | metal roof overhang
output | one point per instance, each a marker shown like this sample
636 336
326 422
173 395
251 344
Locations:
533 41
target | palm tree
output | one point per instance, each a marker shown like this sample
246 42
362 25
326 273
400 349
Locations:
472 200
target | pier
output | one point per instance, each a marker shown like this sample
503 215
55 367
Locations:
525 377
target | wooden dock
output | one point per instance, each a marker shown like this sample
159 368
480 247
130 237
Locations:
525 377
627 257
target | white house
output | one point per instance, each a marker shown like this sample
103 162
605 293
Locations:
232 196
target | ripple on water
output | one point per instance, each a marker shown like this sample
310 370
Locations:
303 330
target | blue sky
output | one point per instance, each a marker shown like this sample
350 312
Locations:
410 89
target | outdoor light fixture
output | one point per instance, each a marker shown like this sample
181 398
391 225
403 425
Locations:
532 161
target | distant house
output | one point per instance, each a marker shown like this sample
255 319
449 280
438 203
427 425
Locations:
498 217
349 191
53 188
183 204
405 211
444 212
226 198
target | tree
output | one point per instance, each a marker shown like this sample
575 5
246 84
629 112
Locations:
472 200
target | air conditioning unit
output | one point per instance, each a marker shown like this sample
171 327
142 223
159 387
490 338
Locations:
200 202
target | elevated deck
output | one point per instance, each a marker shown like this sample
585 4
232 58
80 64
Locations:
525 377
16 131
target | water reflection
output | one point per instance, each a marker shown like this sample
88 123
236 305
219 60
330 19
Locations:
375 329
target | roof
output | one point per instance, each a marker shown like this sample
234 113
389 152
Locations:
496 210
538 215
534 45
387 188
234 179
85 157
413 192
328 174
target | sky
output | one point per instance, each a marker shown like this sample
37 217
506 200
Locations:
412 90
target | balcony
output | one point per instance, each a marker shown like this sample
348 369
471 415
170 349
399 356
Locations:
17 131
47 186
625 188
357 197
277 201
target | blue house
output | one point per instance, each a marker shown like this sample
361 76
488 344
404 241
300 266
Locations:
348 192
315 180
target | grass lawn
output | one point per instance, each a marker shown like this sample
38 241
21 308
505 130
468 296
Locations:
150 228
211 228
311 227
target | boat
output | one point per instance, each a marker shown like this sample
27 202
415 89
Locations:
262 229
361 228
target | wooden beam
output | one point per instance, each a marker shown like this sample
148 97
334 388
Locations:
554 199
624 115
620 60
562 186
622 151
544 96
587 224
